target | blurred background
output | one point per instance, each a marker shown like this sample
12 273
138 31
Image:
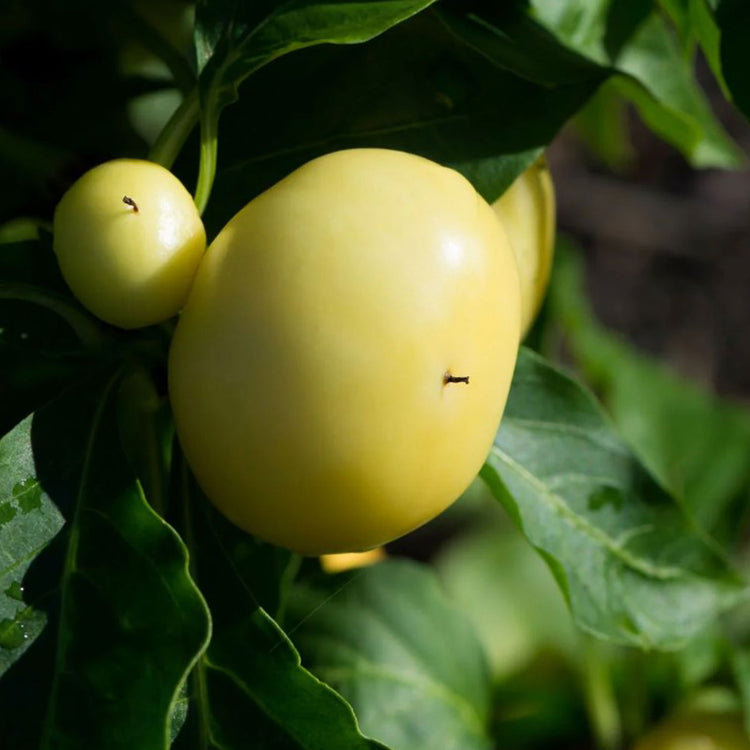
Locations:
666 247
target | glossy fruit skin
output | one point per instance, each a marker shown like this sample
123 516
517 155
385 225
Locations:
697 731
129 267
307 370
527 210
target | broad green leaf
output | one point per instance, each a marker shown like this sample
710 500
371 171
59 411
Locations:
661 84
515 42
634 568
57 464
250 690
417 88
695 443
28 522
131 620
733 19
234 40
387 639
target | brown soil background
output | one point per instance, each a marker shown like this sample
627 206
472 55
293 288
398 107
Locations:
667 250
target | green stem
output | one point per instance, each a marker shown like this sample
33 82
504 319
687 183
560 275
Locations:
84 326
209 150
174 134
599 696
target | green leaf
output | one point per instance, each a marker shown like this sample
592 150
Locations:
580 24
250 689
624 18
661 84
513 41
695 443
131 620
695 23
706 31
389 641
491 176
28 522
654 73
418 88
234 40
634 569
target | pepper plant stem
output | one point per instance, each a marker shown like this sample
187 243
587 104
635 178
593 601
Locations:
174 134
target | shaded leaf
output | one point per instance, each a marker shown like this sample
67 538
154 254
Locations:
250 689
418 88
28 522
388 640
40 353
634 569
624 18
512 40
235 39
131 620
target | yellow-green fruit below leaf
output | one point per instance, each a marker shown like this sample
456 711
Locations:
129 240
699 731
312 372
527 211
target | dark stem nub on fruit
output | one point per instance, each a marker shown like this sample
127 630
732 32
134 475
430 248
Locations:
448 378
128 201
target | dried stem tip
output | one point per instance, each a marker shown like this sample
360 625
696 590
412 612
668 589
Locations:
448 378
128 201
